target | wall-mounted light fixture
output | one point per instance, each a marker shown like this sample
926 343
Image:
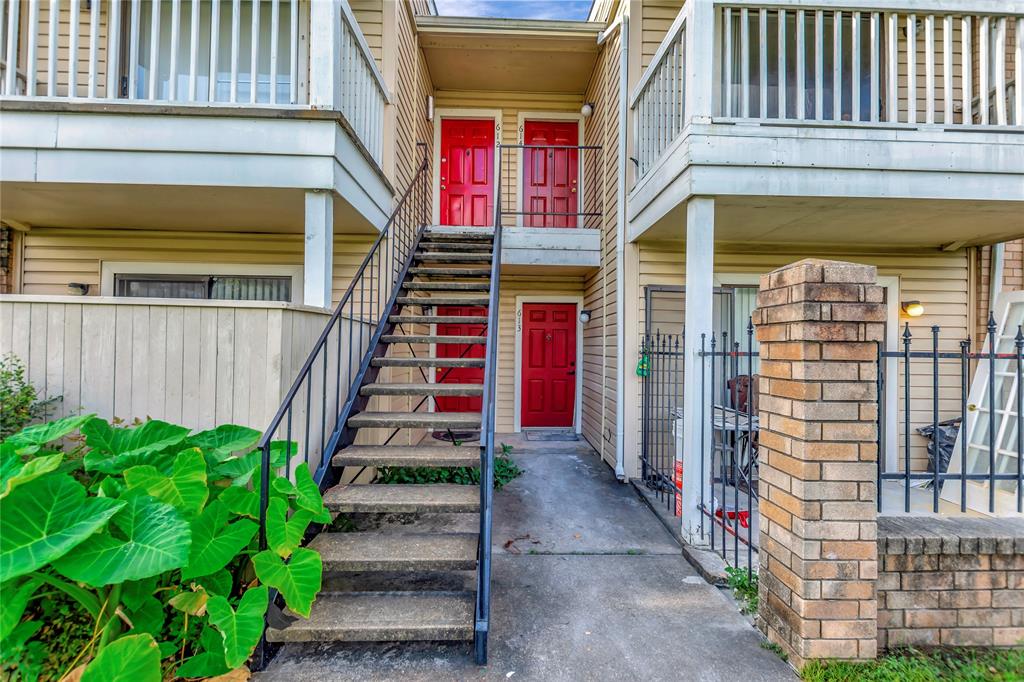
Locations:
430 107
584 316
912 308
78 288
587 109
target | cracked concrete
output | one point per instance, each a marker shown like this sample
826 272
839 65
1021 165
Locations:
587 585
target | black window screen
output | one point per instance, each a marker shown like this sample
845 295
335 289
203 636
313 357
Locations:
218 287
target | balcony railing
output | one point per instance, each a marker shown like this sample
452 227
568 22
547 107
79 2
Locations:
950 63
254 53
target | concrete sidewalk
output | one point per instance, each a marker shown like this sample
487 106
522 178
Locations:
588 585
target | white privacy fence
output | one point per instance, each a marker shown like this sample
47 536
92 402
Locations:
193 52
951 63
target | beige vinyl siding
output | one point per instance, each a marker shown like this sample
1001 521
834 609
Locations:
370 17
600 363
656 17
939 280
53 257
510 104
412 86
511 288
64 48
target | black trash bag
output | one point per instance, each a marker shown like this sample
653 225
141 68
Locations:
948 431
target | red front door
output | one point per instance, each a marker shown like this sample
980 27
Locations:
467 172
549 364
551 176
460 375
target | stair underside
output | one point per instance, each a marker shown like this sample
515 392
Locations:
428 362
439 257
433 338
437 319
400 498
427 271
444 300
460 234
455 245
447 286
415 420
422 389
409 455
383 551
383 617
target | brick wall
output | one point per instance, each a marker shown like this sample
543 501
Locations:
950 582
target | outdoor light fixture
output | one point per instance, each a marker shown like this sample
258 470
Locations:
587 109
912 308
584 316
78 288
430 107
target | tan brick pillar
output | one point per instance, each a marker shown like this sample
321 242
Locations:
817 322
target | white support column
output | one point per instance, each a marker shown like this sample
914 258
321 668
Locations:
700 254
702 81
318 264
324 54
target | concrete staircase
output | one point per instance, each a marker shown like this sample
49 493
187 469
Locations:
451 266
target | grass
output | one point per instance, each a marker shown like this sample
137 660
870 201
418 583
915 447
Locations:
505 470
961 665
744 587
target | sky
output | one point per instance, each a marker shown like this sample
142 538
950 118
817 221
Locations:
516 9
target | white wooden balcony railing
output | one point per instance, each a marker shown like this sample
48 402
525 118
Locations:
913 63
255 53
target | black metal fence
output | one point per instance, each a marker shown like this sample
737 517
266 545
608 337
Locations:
661 371
728 469
973 437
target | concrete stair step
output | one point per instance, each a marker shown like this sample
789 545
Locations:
428 362
443 300
437 319
435 257
453 245
383 617
415 420
399 498
422 389
476 234
432 338
427 271
383 551
447 286
409 455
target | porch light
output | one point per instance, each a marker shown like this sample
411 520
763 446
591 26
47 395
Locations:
430 107
587 109
584 316
78 288
912 308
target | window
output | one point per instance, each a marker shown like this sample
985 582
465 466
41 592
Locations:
218 287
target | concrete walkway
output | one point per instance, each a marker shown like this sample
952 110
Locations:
588 585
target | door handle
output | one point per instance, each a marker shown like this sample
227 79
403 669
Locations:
442 187
571 372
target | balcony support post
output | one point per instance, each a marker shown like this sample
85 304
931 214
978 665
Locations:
700 255
702 81
317 265
325 54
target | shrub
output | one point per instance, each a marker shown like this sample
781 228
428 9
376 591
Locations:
137 553
505 470
19 401
744 586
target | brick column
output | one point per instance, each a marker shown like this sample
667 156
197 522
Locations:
817 322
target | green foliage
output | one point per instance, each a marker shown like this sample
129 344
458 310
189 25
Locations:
132 556
505 471
775 649
19 401
744 587
961 665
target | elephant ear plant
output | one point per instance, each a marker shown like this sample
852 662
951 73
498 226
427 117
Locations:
152 533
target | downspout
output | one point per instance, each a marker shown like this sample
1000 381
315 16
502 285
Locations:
995 280
620 255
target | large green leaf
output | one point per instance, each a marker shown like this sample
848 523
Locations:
115 449
245 468
219 582
32 438
14 472
185 489
308 496
148 617
44 519
192 603
133 658
224 440
203 666
215 542
298 580
134 592
241 501
241 628
15 598
144 539
283 533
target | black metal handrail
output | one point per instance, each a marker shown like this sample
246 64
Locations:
312 416
583 174
483 584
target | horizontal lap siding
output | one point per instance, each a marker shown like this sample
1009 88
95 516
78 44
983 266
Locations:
656 18
369 15
939 280
64 47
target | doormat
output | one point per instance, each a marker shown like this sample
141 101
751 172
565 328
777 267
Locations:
551 436
460 436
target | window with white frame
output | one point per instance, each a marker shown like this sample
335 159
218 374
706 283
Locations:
202 281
